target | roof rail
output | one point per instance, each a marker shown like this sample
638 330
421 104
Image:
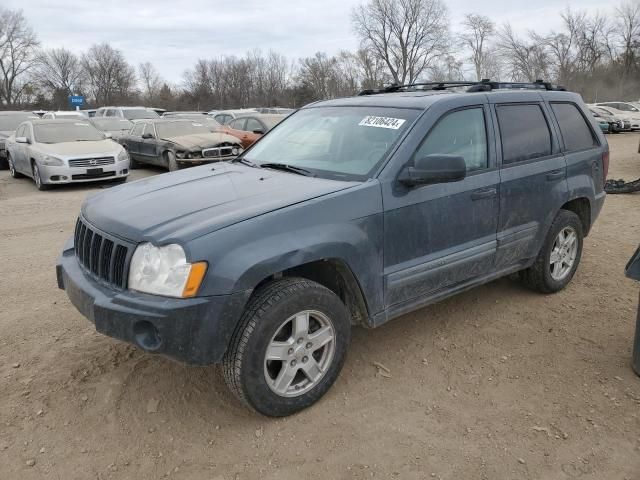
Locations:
485 85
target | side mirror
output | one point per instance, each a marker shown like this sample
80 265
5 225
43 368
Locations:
107 135
22 140
259 132
147 136
436 168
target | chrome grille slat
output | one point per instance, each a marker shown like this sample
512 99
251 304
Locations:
103 257
91 162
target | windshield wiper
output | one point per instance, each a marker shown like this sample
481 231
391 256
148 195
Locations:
287 168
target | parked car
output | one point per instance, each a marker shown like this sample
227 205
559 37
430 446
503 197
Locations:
352 211
197 117
113 126
90 112
184 113
54 152
225 116
608 123
621 118
128 113
178 143
9 121
61 114
251 127
632 116
276 110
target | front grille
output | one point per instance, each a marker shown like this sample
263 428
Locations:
106 258
87 176
92 162
219 152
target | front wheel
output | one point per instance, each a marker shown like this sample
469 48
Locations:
559 257
12 168
38 178
172 164
288 348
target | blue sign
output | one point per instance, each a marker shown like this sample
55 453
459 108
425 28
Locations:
76 100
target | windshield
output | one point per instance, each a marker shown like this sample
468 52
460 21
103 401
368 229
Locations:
138 113
11 122
66 132
112 124
177 129
347 143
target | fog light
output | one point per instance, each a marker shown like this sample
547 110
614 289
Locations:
146 336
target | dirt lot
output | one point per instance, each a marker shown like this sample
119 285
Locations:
497 383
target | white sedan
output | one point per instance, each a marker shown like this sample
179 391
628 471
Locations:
54 152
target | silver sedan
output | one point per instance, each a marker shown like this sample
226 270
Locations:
54 152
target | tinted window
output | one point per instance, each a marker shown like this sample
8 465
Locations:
524 131
575 132
253 124
460 133
238 124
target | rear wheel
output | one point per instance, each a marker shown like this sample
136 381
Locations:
37 178
12 168
559 257
289 347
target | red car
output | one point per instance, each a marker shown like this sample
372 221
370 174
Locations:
250 128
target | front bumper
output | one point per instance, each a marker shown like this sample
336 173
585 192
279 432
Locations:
195 330
58 175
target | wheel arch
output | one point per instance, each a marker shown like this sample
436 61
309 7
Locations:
581 206
334 274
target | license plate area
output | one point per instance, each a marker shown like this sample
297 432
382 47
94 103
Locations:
94 171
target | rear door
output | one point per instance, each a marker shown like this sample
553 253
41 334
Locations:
533 176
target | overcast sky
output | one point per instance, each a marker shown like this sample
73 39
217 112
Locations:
173 34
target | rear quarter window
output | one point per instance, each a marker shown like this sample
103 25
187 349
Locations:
524 132
576 133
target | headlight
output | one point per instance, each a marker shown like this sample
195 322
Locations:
236 151
52 161
123 155
165 271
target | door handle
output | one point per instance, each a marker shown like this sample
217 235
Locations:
484 193
556 175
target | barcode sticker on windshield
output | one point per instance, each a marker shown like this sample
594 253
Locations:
382 122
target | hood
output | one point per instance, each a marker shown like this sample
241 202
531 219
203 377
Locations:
183 205
202 140
74 149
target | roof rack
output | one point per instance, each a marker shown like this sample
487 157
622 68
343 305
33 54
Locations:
485 85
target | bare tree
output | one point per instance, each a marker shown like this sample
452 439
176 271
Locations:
59 74
525 60
110 78
151 82
18 45
628 27
478 30
408 35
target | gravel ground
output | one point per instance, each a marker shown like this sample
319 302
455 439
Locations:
495 383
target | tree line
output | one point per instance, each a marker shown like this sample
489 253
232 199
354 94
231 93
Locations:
401 41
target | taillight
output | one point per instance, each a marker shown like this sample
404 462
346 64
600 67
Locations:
605 166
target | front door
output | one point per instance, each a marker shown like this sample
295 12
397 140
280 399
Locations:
439 236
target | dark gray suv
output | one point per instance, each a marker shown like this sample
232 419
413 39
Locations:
350 212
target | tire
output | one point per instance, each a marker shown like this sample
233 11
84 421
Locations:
269 320
12 169
172 164
544 277
4 164
133 164
37 178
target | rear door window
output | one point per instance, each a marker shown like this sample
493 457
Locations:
524 132
253 125
137 130
577 135
238 124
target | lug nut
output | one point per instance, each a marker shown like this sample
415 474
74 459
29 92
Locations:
293 363
290 351
309 345
304 359
300 340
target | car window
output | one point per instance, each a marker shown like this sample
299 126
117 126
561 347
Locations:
524 132
110 113
462 133
137 130
148 128
238 124
27 133
20 131
575 132
253 125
